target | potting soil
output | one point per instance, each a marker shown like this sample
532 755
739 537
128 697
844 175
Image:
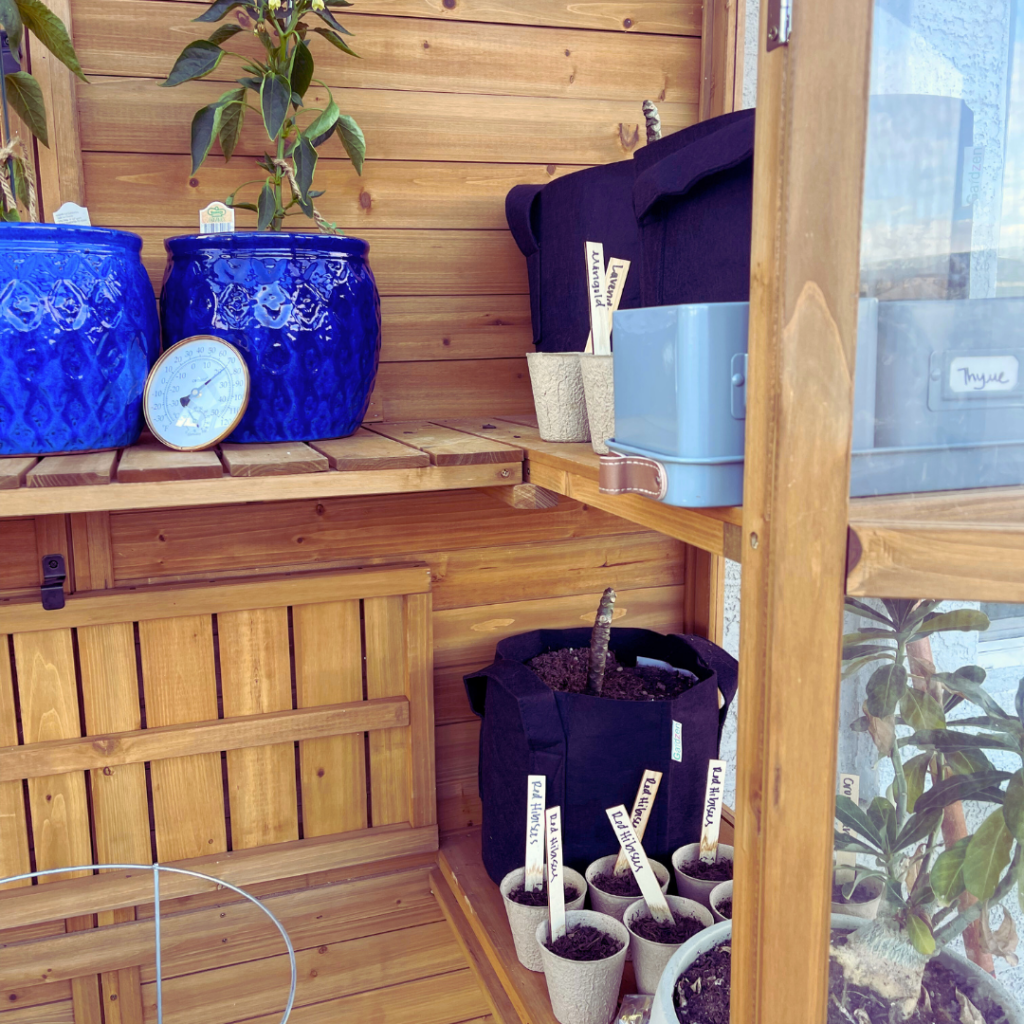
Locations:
585 942
566 670
721 871
674 934
539 897
702 995
724 907
617 885
860 895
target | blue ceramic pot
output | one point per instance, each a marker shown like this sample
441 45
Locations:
304 311
78 333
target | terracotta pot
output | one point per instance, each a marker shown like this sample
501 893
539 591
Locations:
695 888
584 991
722 891
616 906
599 391
868 909
524 920
650 958
558 396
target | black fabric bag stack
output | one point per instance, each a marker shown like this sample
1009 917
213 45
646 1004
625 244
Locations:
594 750
679 211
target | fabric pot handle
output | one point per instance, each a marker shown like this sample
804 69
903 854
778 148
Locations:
519 204
725 666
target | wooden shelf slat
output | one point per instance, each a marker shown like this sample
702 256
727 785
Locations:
366 450
280 459
73 470
12 471
147 463
448 447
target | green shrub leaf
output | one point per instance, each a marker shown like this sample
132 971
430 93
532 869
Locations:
959 787
988 853
205 125
921 710
25 96
266 207
302 70
947 874
854 818
917 826
964 620
10 18
232 114
336 40
224 33
197 60
217 10
882 815
324 124
915 771
884 690
351 136
920 933
305 164
275 95
50 31
1013 806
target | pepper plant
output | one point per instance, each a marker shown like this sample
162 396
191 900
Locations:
273 88
932 891
20 92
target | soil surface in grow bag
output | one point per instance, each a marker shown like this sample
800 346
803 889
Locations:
566 670
676 934
721 871
539 897
702 995
585 942
860 894
617 885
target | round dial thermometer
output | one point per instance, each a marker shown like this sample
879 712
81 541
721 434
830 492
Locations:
196 393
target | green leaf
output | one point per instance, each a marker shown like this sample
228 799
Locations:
964 762
882 815
1020 883
921 710
251 83
20 179
205 125
305 165
988 853
856 607
50 31
854 818
915 771
959 787
336 40
332 21
920 934
25 96
232 115
864 650
243 206
947 874
917 827
197 60
948 740
1018 701
885 687
10 18
964 620
967 682
266 207
274 98
324 124
224 33
217 10
855 666
351 136
302 69
1013 806
871 633
898 609
844 844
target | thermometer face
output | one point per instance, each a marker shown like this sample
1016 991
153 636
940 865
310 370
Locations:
196 393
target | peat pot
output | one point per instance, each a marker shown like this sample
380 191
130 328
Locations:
650 958
523 920
558 396
696 888
973 980
869 887
722 893
304 311
78 333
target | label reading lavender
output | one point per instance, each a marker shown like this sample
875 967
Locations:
597 289
712 819
535 798
556 884
641 812
640 865
849 785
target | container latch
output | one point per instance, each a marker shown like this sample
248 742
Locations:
633 474
51 593
738 386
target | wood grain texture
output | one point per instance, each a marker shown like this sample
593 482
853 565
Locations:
366 450
14 855
21 568
72 470
148 462
271 459
12 471
329 669
419 645
90 543
524 496
255 671
447 447
178 678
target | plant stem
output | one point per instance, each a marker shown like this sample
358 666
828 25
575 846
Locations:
897 761
599 642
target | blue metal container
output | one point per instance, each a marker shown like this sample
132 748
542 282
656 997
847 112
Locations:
78 333
304 311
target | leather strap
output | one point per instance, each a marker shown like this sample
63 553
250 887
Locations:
633 474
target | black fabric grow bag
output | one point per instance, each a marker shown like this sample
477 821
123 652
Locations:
593 750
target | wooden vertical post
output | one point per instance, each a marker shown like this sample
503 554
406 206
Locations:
721 57
808 171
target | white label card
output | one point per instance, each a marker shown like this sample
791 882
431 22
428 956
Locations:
984 374
642 870
641 812
556 885
72 213
216 219
712 820
615 282
598 289
535 798
677 740
849 785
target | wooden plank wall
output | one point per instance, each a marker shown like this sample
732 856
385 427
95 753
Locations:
459 100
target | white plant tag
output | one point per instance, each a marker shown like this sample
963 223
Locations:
535 797
598 288
72 213
677 740
712 820
216 219
556 886
641 812
642 870
615 282
849 785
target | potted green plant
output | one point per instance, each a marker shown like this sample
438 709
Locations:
930 894
79 330
302 308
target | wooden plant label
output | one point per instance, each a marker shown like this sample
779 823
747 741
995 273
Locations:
598 290
641 812
216 219
849 785
72 213
615 281
712 820
535 797
556 886
642 870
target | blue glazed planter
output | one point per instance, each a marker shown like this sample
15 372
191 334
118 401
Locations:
78 333
304 311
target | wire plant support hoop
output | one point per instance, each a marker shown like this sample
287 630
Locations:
156 869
